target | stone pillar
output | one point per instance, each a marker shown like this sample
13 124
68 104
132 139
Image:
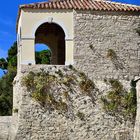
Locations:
27 51
69 52
137 123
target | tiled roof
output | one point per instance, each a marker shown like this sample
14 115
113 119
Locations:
98 5
83 5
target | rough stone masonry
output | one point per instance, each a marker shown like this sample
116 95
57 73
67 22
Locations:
5 123
84 118
96 32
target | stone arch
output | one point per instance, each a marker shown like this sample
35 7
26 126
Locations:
50 20
52 35
27 40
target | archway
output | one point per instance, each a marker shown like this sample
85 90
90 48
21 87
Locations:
53 36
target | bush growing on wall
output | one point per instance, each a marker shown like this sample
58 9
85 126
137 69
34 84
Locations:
43 87
118 102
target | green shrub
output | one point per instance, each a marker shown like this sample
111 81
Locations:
120 102
41 86
116 85
68 80
86 85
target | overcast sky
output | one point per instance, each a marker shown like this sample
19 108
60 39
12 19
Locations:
8 15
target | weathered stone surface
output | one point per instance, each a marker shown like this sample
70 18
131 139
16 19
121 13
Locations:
35 123
5 122
104 31
137 123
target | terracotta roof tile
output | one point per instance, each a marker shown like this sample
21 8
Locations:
83 5
100 5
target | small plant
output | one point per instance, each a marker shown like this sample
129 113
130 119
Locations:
61 106
28 80
120 102
116 61
41 87
86 85
15 110
80 115
72 68
116 85
111 54
39 84
82 75
68 80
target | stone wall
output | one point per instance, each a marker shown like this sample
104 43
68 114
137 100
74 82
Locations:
5 122
106 45
98 32
137 123
85 118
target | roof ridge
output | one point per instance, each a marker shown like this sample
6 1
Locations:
96 5
100 4
106 1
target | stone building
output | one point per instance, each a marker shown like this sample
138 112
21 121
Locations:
73 26
99 38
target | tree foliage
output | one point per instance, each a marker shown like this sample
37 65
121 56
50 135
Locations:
6 87
43 57
10 65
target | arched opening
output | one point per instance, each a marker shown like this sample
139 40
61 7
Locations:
52 35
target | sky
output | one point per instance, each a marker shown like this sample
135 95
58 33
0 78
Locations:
8 16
